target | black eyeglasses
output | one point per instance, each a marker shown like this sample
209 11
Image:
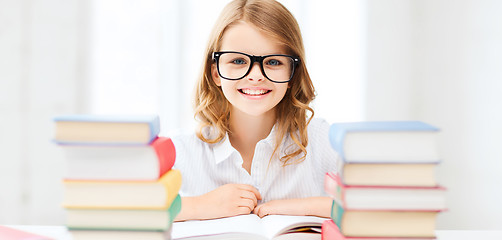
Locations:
277 68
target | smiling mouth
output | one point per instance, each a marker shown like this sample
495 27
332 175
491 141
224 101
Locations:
254 92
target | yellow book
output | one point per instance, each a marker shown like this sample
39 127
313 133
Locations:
123 194
385 223
388 174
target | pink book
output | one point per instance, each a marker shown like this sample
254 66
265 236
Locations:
384 198
7 233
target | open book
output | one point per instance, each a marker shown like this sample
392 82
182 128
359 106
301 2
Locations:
250 227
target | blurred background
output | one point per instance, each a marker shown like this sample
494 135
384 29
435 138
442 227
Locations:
438 61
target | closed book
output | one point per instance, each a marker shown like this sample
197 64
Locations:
373 223
122 194
388 174
385 142
12 233
384 197
331 232
105 162
123 219
106 129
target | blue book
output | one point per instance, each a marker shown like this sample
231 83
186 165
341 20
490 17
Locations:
86 129
385 142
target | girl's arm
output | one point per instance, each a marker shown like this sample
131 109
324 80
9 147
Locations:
312 206
225 201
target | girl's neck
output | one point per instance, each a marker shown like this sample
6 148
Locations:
246 131
249 129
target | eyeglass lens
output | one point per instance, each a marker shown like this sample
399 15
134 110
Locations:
237 65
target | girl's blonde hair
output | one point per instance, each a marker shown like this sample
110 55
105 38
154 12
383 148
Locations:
213 109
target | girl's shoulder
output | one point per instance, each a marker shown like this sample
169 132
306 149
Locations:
188 147
318 134
187 139
188 143
318 126
318 131
320 147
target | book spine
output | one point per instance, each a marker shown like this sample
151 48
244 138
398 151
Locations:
172 184
330 231
175 208
166 154
154 128
336 137
337 212
334 188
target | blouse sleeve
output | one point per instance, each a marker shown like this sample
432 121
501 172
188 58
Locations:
179 148
325 156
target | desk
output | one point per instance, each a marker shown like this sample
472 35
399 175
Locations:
61 233
468 235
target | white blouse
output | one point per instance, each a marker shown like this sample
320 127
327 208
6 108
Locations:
205 167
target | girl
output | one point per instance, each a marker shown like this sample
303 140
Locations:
257 149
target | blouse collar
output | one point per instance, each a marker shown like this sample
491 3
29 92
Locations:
224 149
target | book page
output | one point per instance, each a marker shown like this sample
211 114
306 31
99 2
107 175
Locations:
274 225
242 224
243 227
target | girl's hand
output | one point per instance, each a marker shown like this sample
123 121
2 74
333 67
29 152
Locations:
225 201
313 206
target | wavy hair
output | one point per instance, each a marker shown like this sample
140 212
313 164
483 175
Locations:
213 109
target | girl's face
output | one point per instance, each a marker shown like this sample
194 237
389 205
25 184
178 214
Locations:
254 94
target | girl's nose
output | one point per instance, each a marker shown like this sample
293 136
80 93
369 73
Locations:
255 74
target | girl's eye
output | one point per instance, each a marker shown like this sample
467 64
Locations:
274 62
239 61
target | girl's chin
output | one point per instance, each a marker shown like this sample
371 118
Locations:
253 111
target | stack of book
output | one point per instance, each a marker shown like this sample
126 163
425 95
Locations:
118 183
385 185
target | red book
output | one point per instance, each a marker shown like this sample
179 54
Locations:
7 233
119 162
331 232
383 198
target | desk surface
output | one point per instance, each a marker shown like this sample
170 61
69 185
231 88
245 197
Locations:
61 233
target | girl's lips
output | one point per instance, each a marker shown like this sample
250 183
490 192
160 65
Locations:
254 92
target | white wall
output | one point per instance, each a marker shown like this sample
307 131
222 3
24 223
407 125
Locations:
441 62
459 87
40 76
389 60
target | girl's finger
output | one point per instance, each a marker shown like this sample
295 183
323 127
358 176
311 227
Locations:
251 189
250 196
246 202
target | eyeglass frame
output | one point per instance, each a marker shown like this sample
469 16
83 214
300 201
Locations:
258 59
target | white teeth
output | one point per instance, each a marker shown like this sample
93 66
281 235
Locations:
254 91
